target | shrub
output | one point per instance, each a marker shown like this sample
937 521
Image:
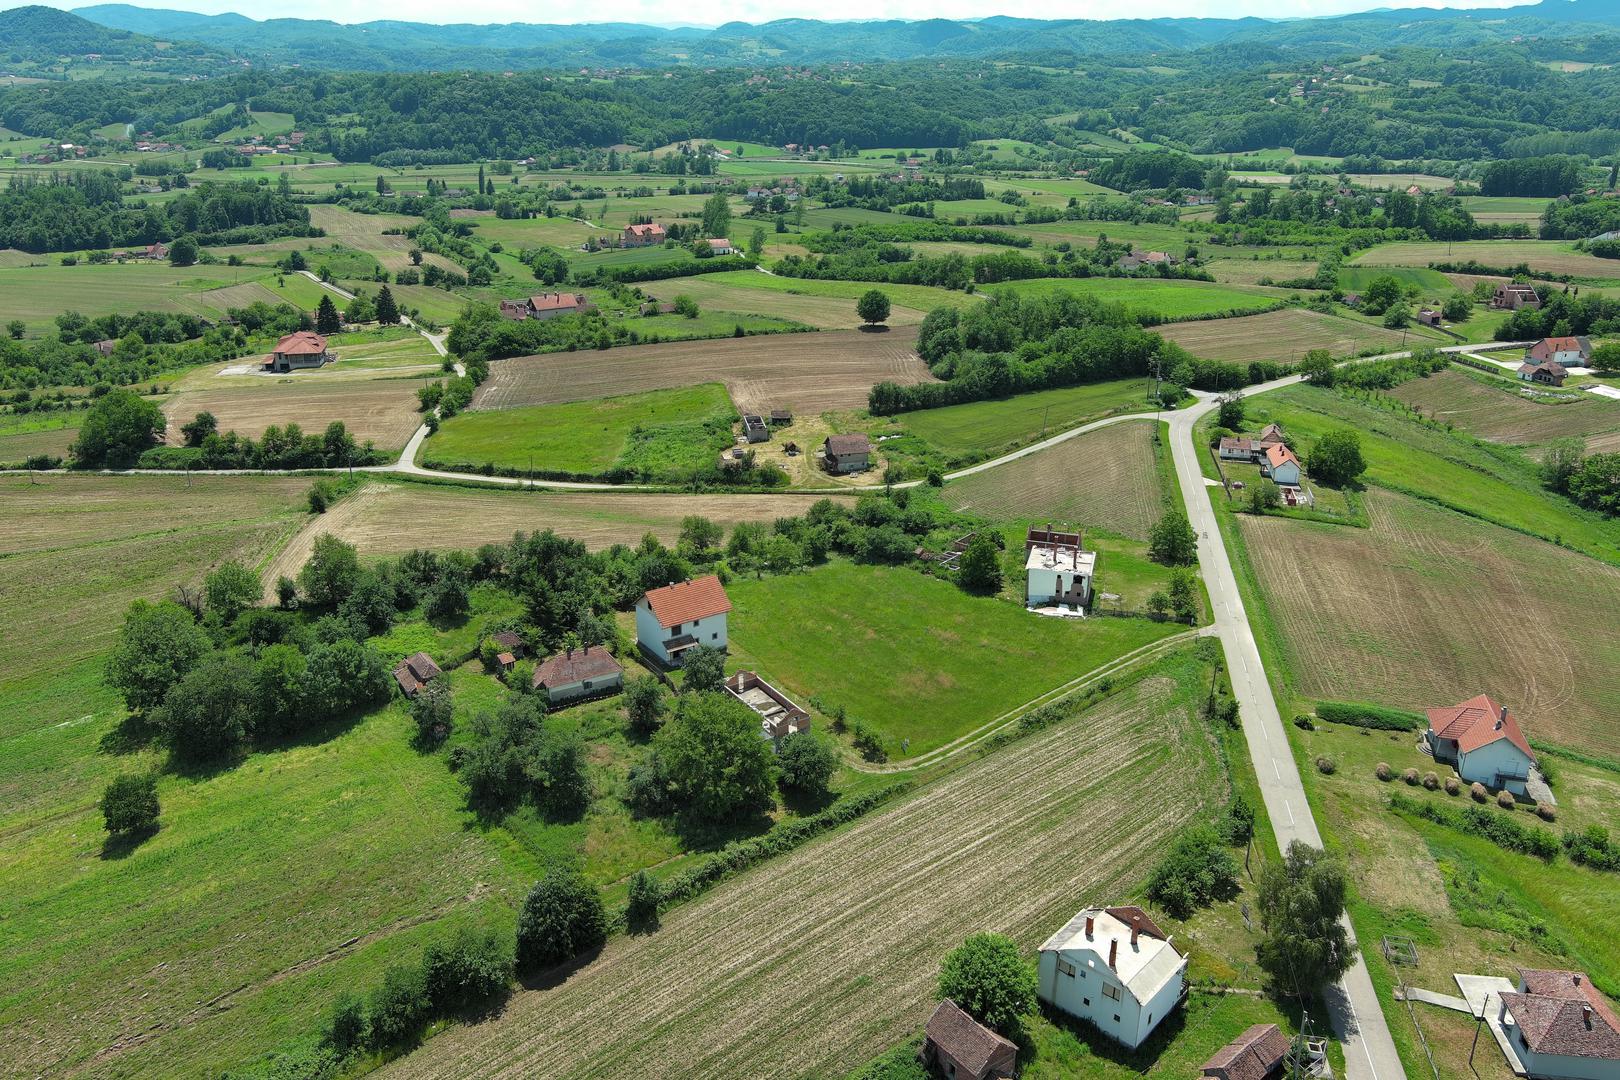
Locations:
1593 848
1505 799
1197 871
398 1008
561 919
807 762
470 968
1410 776
1546 812
1326 766
1477 790
130 805
1304 722
1431 781
1453 786
1359 714
1505 832
1384 772
641 913
346 1023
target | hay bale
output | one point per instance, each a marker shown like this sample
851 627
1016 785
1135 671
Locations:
1453 786
1504 799
1546 811
1410 776
1383 770
1326 766
1477 790
1431 781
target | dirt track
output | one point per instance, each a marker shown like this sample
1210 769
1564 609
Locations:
808 373
817 961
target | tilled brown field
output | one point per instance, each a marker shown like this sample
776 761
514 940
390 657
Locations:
1105 478
1427 607
380 409
1284 336
809 373
389 519
1505 416
814 963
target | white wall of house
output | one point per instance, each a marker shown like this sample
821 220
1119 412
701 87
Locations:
569 691
1564 1067
1484 763
1043 585
1569 357
1286 473
1094 993
651 634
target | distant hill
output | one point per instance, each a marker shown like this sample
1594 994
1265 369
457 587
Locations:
40 32
399 45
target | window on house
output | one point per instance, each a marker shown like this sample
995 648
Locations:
1116 1018
1086 1002
1110 991
1066 967
676 628
587 684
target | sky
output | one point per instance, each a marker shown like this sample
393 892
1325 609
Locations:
715 12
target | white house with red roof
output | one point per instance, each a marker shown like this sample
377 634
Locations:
1567 351
678 617
1281 464
1116 968
1561 1027
303 349
1483 741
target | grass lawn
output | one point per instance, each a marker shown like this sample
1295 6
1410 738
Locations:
1157 296
37 294
1496 484
988 426
920 297
1432 282
984 656
589 437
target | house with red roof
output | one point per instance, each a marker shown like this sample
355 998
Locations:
1482 740
302 349
1568 351
1281 464
1560 1026
642 235
679 617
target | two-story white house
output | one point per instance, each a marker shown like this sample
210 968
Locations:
1484 743
678 617
1115 968
1281 465
1057 570
1561 1028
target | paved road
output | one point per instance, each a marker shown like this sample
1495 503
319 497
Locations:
1358 1022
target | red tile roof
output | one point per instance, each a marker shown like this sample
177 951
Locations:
1478 722
301 343
1131 915
1254 1055
557 301
1561 1013
1279 454
688 601
974 1047
1549 346
576 665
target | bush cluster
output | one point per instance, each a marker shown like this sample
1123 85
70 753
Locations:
1360 714
1505 832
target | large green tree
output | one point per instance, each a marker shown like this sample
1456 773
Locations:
991 979
230 589
1301 899
719 768
158 645
387 309
979 569
327 320
117 430
873 307
331 573
1197 871
716 215
130 804
1336 458
209 712
1172 541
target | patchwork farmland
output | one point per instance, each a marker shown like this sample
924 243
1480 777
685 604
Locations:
809 373
1283 336
1106 478
1542 256
1503 415
843 938
391 519
1428 606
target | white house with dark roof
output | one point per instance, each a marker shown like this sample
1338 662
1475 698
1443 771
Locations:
1561 1028
1116 968
678 617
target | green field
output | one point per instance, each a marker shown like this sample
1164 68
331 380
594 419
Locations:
1432 282
985 656
590 437
37 294
987 426
1156 296
919 297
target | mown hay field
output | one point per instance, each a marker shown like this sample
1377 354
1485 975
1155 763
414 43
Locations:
1542 256
1504 415
1164 298
817 961
1106 478
985 425
822 312
808 373
382 410
1249 271
1284 336
390 519
37 294
1429 607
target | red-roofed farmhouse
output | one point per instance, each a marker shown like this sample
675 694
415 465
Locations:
682 616
1483 741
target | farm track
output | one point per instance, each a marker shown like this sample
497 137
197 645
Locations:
814 962
808 373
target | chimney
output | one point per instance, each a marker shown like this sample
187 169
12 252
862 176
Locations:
1586 1015
1577 978
1113 953
1091 921
1136 929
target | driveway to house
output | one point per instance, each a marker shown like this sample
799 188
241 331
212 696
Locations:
1358 1021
